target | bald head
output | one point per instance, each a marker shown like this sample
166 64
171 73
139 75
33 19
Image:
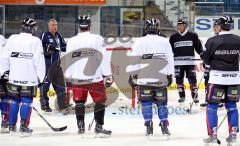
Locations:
52 26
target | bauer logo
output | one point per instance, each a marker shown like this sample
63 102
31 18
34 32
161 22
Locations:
22 55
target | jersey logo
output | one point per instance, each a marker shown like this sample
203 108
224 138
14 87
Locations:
83 53
154 56
15 54
22 55
183 44
147 56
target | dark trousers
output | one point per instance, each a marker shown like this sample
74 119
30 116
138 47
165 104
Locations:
56 77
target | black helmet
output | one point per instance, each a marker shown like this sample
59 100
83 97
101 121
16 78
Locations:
225 22
181 21
152 26
84 21
28 25
152 22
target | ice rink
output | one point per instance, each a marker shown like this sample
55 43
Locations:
127 126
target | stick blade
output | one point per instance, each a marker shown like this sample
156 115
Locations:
59 129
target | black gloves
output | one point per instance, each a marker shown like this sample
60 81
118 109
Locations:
4 77
132 81
51 48
108 80
169 78
39 85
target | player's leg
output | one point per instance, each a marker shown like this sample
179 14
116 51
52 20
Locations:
161 101
4 104
232 97
179 74
214 96
146 99
80 94
98 93
27 93
57 78
44 99
25 114
192 79
13 113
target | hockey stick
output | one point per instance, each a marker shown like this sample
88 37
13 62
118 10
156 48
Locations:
54 129
90 125
218 141
191 104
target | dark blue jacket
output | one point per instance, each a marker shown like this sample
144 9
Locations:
50 43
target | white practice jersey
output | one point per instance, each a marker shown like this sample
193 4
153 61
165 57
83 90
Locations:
23 57
156 46
77 45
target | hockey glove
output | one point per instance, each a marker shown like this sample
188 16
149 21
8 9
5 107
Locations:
132 81
4 77
51 48
169 77
108 80
39 85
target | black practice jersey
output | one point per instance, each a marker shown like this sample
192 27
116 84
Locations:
184 45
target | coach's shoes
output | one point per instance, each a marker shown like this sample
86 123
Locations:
181 100
196 100
46 108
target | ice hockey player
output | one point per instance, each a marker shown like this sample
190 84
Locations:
53 45
222 54
183 45
151 90
4 103
26 65
86 44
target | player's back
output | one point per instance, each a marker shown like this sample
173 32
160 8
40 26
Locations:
86 48
150 44
22 50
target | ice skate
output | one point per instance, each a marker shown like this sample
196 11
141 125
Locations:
81 127
149 128
101 132
4 127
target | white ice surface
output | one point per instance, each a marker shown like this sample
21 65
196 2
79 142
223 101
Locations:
128 129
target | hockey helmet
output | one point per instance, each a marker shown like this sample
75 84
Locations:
84 21
225 22
181 21
29 24
152 25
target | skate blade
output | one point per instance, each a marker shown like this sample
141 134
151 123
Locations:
149 136
101 135
13 133
4 130
234 143
23 134
166 136
211 144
